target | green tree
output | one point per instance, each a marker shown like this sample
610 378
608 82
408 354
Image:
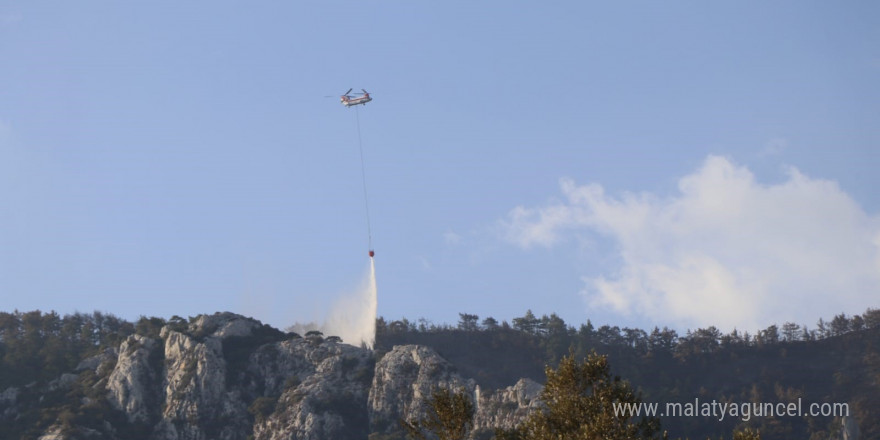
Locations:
609 335
871 318
770 335
857 323
839 325
149 327
587 331
662 340
449 416
468 322
747 434
490 323
790 331
822 330
528 323
580 400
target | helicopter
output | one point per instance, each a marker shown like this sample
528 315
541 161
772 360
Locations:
350 100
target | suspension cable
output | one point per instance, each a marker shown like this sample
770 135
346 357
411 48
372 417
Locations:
364 180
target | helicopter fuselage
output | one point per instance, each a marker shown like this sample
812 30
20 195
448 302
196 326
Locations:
348 102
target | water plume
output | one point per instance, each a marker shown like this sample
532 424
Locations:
353 316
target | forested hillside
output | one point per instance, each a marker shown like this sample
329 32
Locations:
837 361
38 347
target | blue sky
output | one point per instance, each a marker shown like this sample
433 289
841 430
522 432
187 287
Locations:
641 164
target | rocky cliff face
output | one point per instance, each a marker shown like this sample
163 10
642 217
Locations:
506 408
406 376
403 379
322 389
225 376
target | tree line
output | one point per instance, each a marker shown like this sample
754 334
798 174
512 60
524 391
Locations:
37 346
701 340
832 361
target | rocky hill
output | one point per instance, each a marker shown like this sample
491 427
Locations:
225 376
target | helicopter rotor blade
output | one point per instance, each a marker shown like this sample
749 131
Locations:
349 91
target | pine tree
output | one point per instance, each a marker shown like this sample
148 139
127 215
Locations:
747 434
449 416
580 399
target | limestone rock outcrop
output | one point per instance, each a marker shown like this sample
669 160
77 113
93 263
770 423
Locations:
228 377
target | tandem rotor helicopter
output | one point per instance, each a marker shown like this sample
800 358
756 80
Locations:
358 98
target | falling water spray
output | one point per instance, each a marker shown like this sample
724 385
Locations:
353 317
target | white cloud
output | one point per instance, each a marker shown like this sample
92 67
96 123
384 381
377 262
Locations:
774 147
451 238
725 250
